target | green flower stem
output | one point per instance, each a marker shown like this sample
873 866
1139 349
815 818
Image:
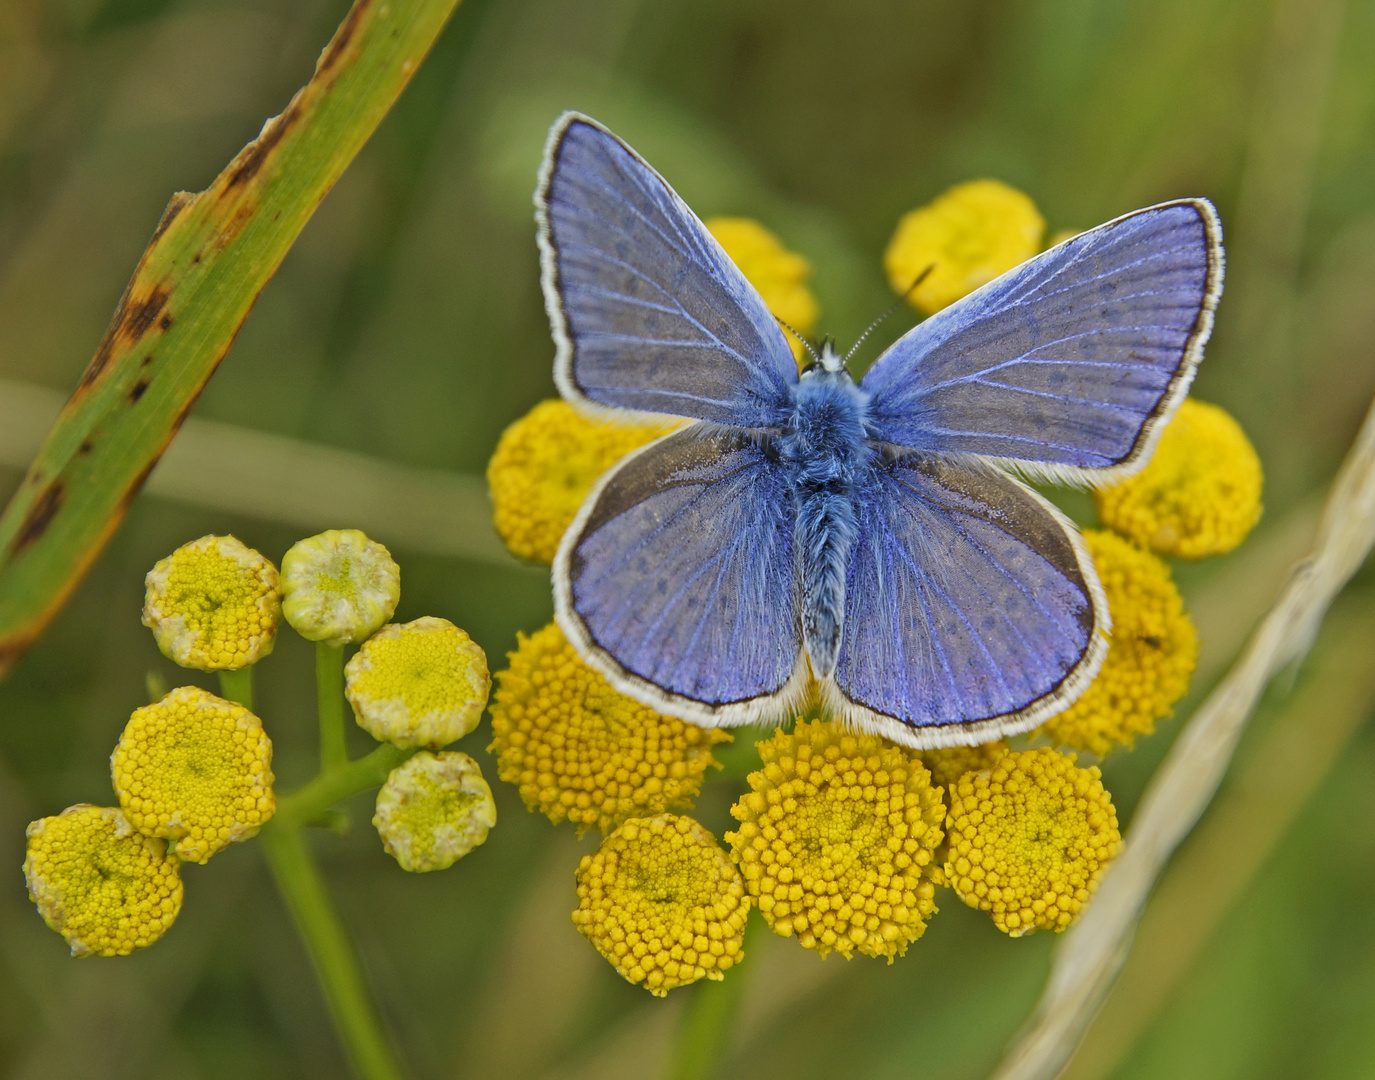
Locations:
705 1028
331 953
329 689
238 686
311 803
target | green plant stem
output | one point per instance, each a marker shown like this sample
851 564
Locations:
329 689
309 804
705 1028
238 686
331 953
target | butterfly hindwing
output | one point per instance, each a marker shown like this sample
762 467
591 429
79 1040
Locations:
972 609
1069 364
676 580
649 313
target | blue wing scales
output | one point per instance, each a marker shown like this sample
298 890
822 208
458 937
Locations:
1068 364
972 609
676 581
649 313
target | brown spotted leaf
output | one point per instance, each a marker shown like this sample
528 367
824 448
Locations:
209 258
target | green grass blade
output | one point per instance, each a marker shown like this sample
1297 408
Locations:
210 256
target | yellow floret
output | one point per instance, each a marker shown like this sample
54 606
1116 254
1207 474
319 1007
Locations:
1029 839
433 810
1200 494
579 750
965 238
543 468
213 604
1151 653
421 683
949 764
339 586
663 903
836 840
780 275
195 769
104 887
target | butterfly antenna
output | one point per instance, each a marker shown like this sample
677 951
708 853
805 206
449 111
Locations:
895 305
805 343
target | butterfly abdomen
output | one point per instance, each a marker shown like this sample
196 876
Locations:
825 444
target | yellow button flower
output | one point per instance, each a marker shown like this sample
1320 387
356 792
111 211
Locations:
421 683
1029 839
836 839
949 764
780 275
196 769
1200 493
104 887
339 587
543 468
433 810
663 903
213 604
965 238
1151 654
579 750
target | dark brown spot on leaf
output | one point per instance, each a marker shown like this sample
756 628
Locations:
165 322
39 516
86 447
250 159
143 313
178 202
137 391
335 49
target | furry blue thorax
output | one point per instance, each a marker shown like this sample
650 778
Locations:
825 443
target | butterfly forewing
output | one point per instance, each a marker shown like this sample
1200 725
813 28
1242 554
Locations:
1070 362
677 579
971 607
649 313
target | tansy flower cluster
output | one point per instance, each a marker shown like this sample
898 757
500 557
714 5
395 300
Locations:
577 749
192 772
433 810
1029 838
195 769
844 838
835 838
663 903
213 604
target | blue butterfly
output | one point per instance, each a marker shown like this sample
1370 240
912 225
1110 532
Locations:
866 543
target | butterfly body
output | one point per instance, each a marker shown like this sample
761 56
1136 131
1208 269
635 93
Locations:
863 545
826 450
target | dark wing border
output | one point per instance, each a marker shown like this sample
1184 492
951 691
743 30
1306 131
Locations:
794 694
988 729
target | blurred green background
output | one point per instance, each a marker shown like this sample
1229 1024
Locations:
407 325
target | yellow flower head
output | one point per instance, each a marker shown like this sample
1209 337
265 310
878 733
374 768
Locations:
780 275
1200 494
339 587
433 810
579 750
663 903
544 466
104 887
836 839
421 683
1151 654
1029 839
196 769
213 604
967 237
949 764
